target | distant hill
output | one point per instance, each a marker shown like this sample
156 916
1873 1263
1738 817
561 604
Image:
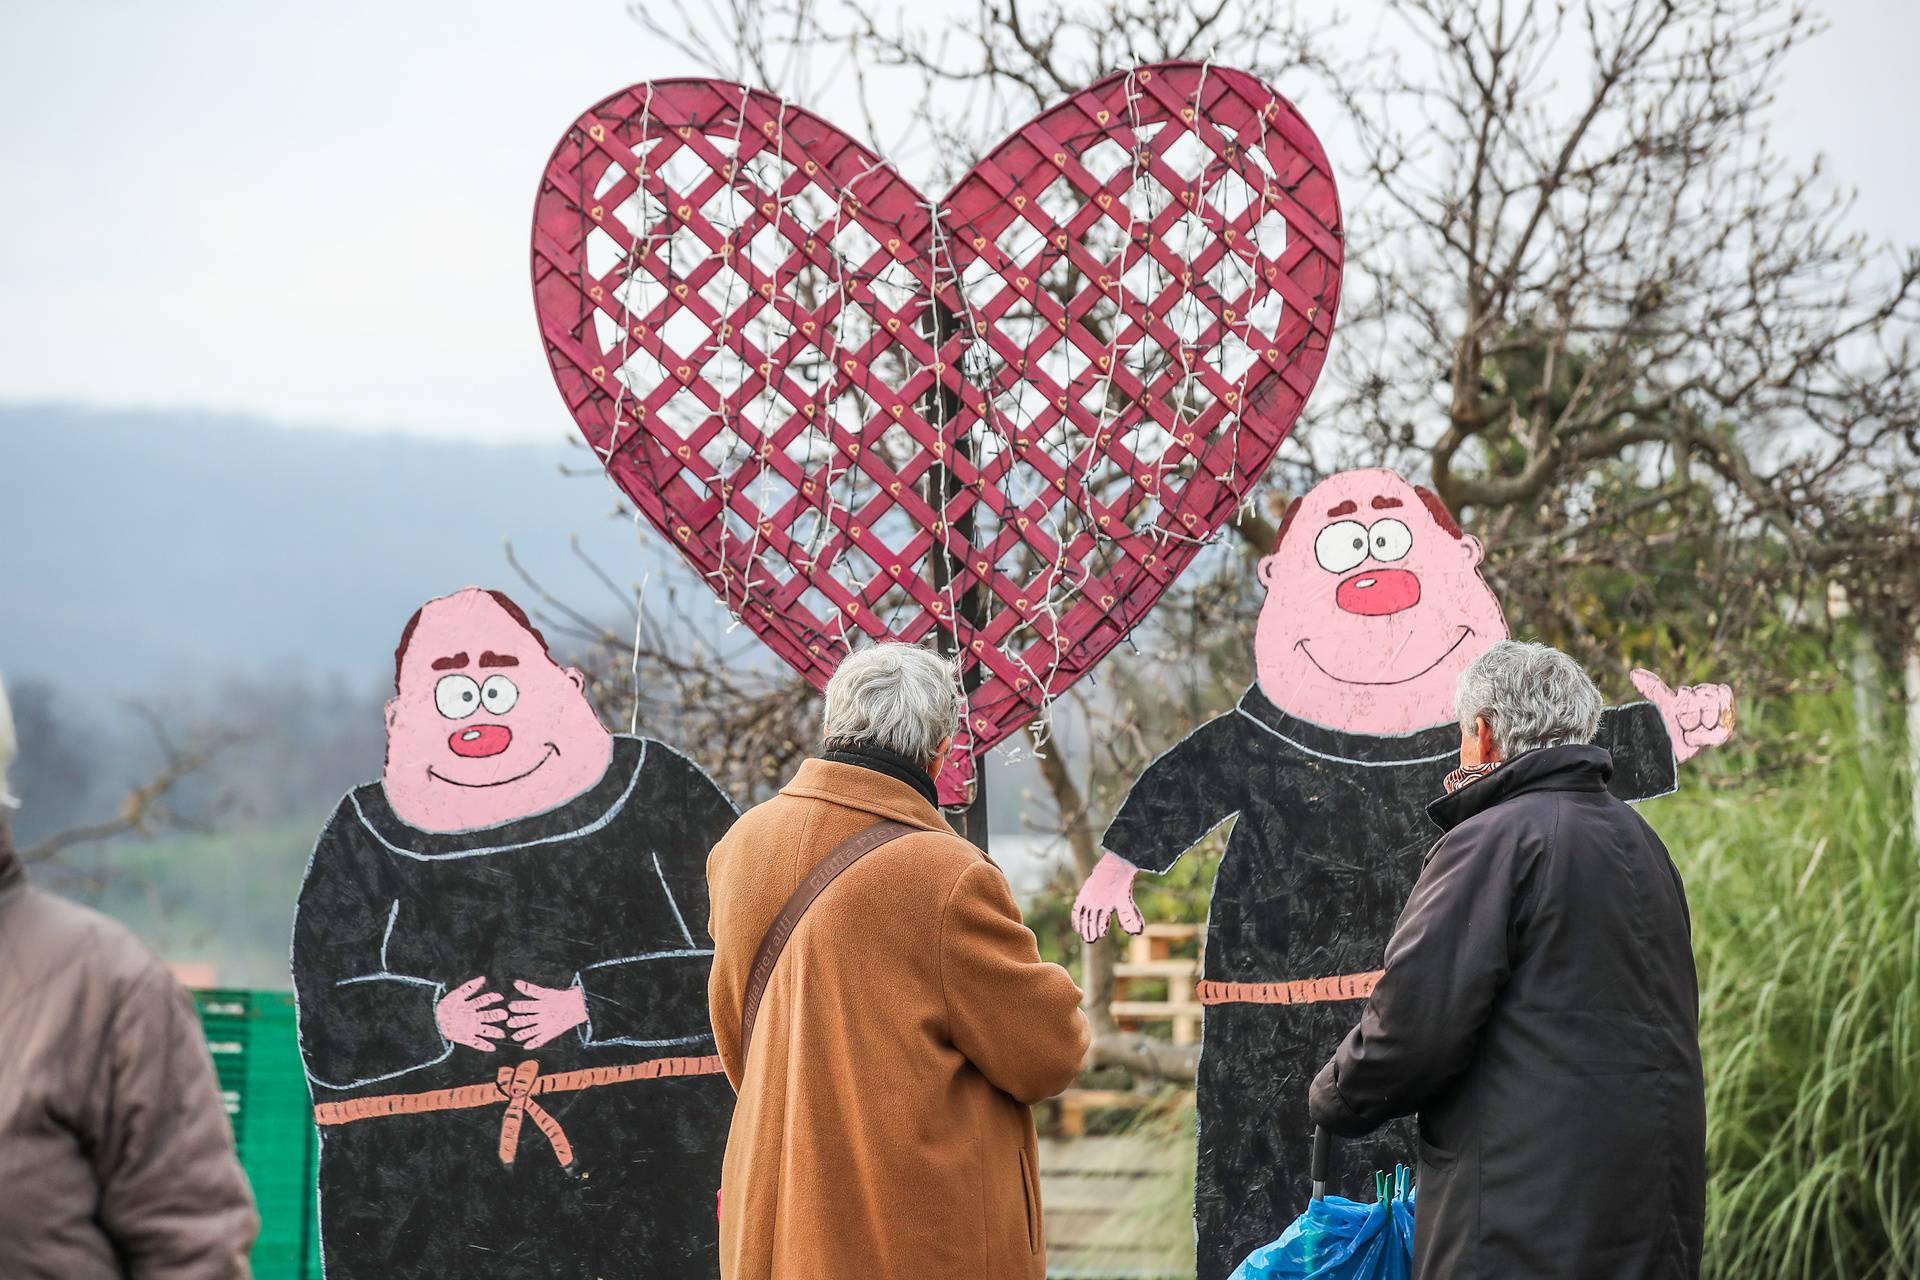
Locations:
138 549
190 558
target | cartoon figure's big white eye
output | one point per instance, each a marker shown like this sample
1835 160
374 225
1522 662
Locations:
457 697
1389 539
499 694
1341 545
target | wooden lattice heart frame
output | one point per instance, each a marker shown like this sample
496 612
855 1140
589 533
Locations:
1005 422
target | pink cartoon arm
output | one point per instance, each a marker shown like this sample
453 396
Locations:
1696 715
1107 892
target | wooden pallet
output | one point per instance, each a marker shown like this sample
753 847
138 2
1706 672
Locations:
1070 1109
1168 953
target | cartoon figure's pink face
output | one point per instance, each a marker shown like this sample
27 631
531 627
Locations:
1374 607
483 727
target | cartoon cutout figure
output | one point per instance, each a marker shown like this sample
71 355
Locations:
1375 605
500 956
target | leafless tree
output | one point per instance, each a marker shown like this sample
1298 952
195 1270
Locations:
937 85
742 715
1624 335
1604 313
1628 342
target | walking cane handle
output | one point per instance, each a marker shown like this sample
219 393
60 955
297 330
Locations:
1322 1148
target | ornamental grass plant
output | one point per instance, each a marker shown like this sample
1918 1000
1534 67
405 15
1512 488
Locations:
1805 892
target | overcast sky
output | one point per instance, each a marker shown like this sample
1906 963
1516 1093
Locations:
318 212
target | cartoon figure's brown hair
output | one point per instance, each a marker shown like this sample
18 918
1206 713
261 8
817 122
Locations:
500 598
1428 499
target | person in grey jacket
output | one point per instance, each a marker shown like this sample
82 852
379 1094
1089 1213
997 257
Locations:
1539 1009
116 1158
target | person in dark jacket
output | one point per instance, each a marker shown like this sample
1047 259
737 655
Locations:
1324 769
1539 1008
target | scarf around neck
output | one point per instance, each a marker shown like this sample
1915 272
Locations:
1469 773
891 763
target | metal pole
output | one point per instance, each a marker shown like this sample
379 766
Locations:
943 406
973 819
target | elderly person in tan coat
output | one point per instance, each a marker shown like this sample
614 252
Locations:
116 1160
883 1127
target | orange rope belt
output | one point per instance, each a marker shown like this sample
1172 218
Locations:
517 1087
1350 986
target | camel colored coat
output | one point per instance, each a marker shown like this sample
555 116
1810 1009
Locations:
883 1129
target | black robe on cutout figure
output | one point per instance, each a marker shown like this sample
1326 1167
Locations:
1328 843
610 890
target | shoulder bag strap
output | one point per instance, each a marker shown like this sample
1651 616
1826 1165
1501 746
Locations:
845 854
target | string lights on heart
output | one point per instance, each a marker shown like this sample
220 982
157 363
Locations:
1004 420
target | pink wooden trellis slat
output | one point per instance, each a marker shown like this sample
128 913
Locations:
1006 421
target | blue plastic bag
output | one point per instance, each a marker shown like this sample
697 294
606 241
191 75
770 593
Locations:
1339 1239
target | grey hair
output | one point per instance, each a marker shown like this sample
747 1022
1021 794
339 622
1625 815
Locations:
898 696
1530 695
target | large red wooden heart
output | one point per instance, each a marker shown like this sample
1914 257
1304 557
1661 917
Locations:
1006 421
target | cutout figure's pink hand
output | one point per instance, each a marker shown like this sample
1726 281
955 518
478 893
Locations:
465 1015
1697 715
1107 892
545 1013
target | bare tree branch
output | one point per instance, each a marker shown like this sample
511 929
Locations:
146 807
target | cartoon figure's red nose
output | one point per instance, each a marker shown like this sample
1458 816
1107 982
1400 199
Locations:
480 740
1379 591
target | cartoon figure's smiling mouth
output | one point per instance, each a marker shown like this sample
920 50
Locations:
1458 640
552 751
